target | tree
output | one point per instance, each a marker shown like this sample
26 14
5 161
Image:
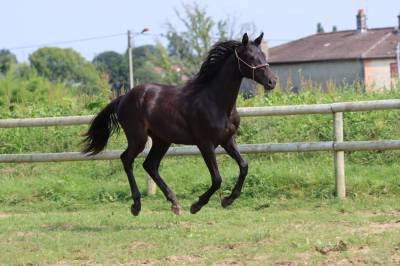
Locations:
66 65
7 59
334 28
187 48
320 28
165 65
116 66
144 70
113 64
142 51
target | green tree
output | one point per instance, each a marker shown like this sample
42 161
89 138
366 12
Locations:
165 65
7 59
186 49
116 65
66 65
191 45
144 70
334 28
320 28
113 64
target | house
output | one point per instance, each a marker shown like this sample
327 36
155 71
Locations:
367 56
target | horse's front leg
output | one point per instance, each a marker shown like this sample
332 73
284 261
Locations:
232 150
208 153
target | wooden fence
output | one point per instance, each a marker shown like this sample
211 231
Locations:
337 145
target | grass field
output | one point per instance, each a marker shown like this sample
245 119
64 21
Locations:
77 213
365 231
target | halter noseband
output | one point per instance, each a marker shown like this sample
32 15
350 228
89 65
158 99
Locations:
253 68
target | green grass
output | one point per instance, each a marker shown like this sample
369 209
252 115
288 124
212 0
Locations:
270 177
78 213
287 231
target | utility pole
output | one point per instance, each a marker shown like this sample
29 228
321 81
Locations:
398 59
131 83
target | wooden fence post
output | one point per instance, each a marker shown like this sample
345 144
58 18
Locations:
339 155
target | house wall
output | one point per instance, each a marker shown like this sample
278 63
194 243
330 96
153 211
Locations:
377 74
299 76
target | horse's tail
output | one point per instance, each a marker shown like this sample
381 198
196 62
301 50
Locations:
101 128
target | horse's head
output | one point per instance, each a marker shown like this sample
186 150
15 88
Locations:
253 64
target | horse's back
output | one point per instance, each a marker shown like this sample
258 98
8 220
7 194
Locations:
144 97
156 108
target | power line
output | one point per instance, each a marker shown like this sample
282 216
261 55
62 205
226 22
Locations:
69 41
103 37
66 42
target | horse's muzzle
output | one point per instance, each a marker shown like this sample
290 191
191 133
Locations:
270 84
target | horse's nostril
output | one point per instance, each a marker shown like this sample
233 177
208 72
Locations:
271 83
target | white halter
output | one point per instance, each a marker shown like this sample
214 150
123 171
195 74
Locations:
253 68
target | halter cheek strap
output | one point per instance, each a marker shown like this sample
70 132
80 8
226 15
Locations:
253 68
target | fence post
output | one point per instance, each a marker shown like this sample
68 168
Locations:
339 155
151 186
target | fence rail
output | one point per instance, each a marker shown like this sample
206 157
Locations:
244 112
338 146
192 150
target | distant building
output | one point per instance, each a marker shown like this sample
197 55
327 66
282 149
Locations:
339 58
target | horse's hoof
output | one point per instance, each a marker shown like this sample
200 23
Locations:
176 209
195 208
135 209
226 202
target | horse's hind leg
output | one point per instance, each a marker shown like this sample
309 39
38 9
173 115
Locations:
135 146
151 165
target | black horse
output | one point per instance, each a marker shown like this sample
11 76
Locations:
202 113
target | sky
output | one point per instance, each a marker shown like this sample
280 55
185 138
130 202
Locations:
27 25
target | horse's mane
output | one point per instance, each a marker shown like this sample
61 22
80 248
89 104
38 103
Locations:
214 61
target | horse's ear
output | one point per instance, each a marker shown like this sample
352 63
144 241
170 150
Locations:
258 40
245 39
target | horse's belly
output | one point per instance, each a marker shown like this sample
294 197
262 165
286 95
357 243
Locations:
222 135
170 130
171 136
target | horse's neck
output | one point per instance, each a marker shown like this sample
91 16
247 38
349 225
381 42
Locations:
225 86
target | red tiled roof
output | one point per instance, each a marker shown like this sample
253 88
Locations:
351 44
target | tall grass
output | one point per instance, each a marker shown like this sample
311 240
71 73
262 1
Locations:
23 94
